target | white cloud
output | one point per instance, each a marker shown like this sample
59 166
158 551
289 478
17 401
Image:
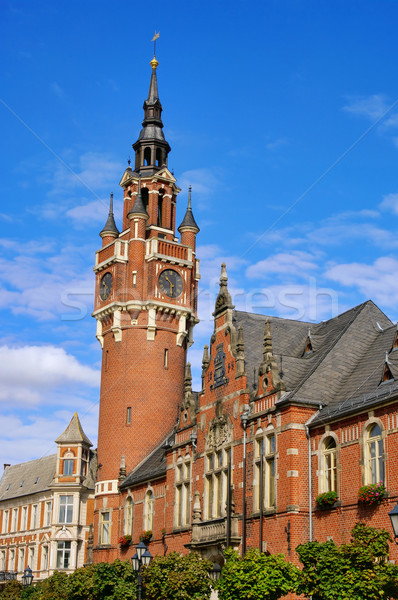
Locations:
372 107
29 371
390 203
378 281
296 263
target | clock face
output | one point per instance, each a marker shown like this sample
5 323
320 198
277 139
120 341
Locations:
170 283
106 286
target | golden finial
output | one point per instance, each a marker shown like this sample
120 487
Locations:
154 63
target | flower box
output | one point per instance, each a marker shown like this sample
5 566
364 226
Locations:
326 500
372 494
146 536
125 541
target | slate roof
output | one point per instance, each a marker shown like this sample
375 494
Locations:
73 433
36 476
152 467
346 363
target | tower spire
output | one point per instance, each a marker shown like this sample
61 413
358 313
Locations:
188 221
151 148
110 225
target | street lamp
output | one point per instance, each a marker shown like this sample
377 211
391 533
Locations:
27 577
243 419
141 557
215 572
393 514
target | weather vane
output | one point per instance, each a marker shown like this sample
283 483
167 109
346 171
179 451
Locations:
155 37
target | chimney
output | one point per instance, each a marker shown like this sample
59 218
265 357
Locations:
6 465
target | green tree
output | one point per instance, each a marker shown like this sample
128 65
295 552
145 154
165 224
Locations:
11 591
81 583
114 581
176 577
52 588
355 571
256 576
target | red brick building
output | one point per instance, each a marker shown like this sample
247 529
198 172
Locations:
287 410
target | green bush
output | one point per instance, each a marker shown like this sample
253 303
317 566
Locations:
256 576
176 577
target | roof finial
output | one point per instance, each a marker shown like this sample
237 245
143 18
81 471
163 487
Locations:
129 161
188 221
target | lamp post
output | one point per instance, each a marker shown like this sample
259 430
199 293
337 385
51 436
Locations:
215 572
141 557
393 514
27 577
243 419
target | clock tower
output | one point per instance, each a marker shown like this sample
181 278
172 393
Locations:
145 307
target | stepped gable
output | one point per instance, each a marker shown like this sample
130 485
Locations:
36 475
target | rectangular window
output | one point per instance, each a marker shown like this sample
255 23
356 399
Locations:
105 537
45 558
33 519
11 560
14 524
47 521
183 495
63 555
264 472
3 560
31 560
24 520
128 415
68 466
6 519
65 509
216 484
21 553
166 358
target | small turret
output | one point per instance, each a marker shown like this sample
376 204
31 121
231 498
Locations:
109 232
138 209
189 228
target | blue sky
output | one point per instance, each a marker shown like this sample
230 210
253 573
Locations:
283 116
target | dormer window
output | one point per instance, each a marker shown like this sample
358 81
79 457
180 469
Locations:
387 375
308 346
68 466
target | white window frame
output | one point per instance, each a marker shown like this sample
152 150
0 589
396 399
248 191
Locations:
21 559
24 518
14 522
128 516
64 551
329 457
34 516
216 483
149 510
65 513
105 528
182 513
267 441
44 558
49 507
6 521
374 455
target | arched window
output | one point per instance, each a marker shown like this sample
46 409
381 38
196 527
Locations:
128 516
147 156
145 197
148 510
374 454
158 157
329 466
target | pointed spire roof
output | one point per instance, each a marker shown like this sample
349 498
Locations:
151 142
153 93
188 221
110 225
73 433
138 208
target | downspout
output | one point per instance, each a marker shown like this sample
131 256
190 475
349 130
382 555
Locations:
307 433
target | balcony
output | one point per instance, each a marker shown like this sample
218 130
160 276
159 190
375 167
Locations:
8 575
170 251
214 532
